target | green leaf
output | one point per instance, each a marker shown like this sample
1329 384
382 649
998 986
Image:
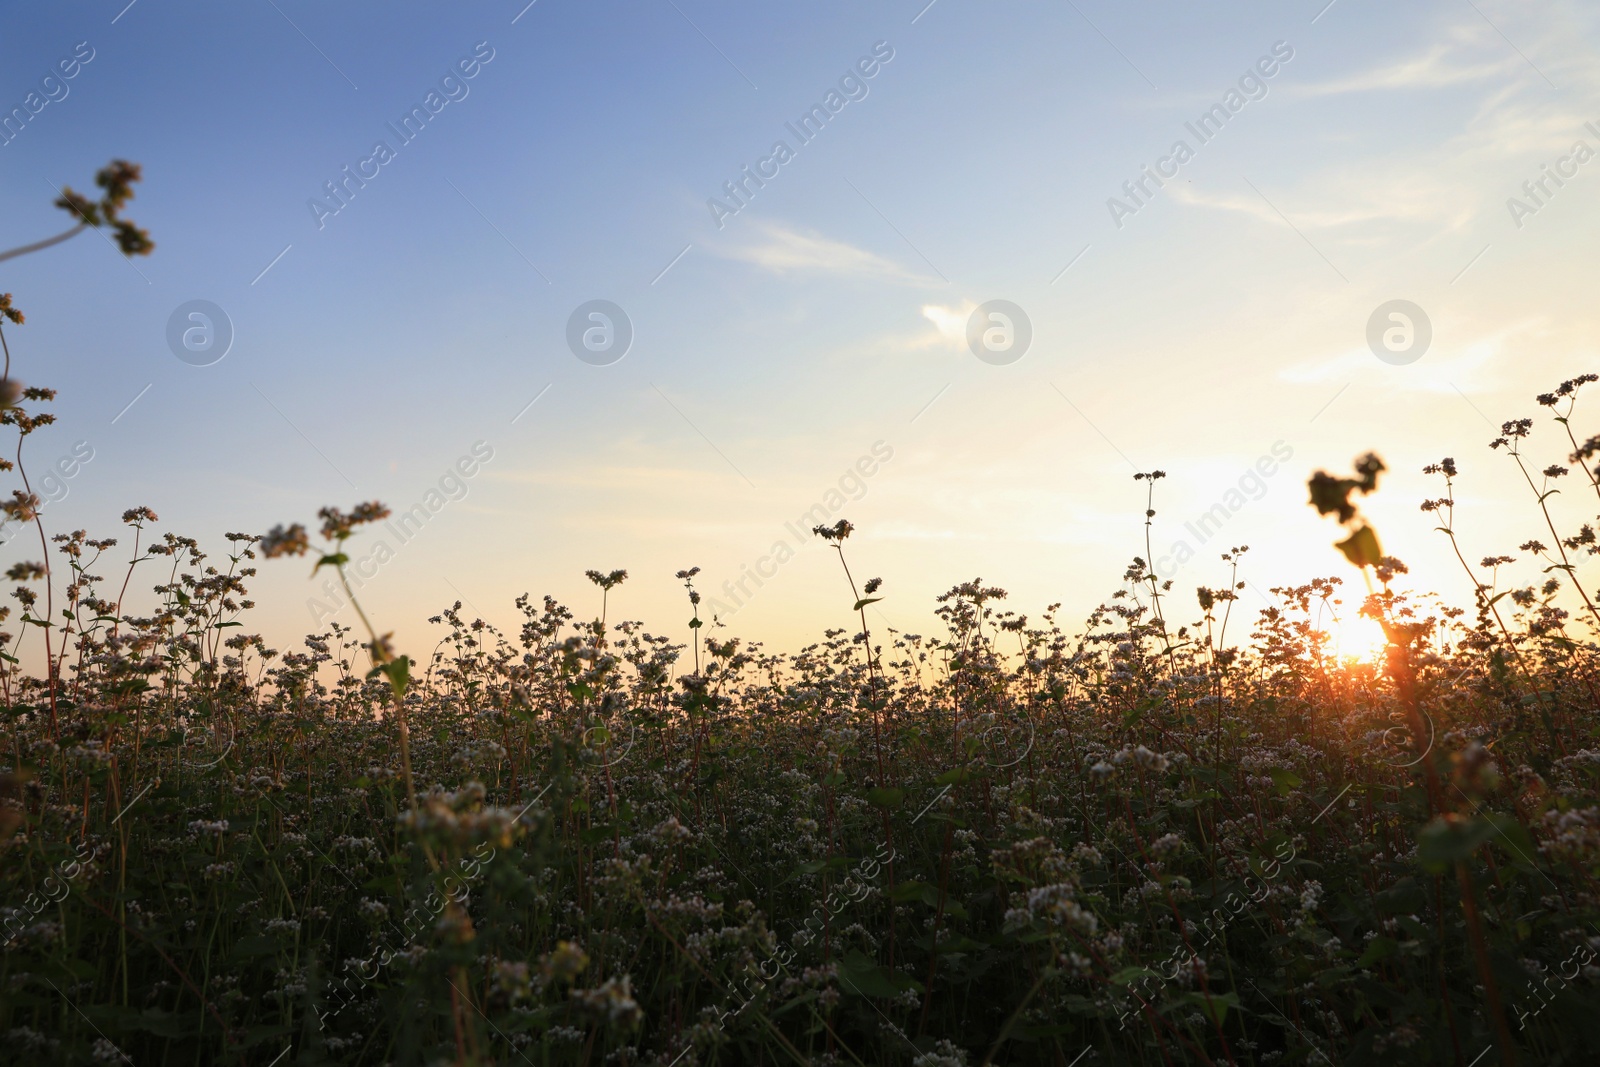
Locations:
1379 948
836 863
910 891
1215 1006
886 798
859 975
955 777
1129 975
1512 836
695 624
1286 781
398 671
790 1005
337 559
865 601
1449 840
1361 547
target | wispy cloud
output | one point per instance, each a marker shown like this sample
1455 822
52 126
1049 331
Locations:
1380 192
943 329
783 250
950 322
1441 184
1441 65
1467 368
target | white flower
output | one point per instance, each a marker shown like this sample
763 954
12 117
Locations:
943 1054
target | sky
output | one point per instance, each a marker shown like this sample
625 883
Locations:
955 308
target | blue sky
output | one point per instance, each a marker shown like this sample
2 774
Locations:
1225 317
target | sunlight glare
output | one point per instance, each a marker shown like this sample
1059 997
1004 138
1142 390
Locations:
1359 638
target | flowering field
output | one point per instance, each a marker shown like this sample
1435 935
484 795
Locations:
1010 842
1167 834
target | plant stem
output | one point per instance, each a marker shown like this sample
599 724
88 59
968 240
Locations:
39 246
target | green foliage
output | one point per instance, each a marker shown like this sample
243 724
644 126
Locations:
730 860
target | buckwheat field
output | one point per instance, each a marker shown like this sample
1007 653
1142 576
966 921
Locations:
1171 826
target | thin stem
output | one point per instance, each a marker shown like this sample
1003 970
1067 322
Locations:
1566 565
1576 449
39 246
1150 564
49 596
399 703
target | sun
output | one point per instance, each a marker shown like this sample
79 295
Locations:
1358 637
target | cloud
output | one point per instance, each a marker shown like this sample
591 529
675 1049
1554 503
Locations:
1437 68
950 322
1496 123
1442 186
1380 192
948 332
1467 368
782 250
943 328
